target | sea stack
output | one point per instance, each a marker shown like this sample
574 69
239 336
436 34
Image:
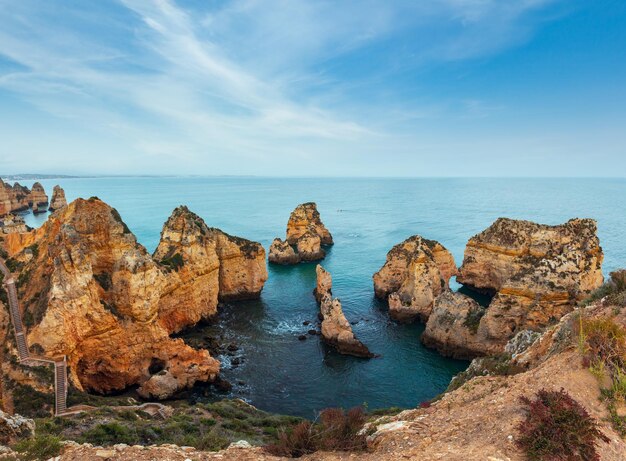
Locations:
306 234
336 330
204 265
537 274
37 197
415 273
58 199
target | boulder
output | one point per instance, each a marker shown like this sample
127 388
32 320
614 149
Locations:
306 219
14 428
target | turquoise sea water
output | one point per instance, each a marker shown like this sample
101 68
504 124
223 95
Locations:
366 217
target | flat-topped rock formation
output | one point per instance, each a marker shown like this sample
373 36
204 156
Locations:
58 199
415 273
538 273
305 236
94 294
336 330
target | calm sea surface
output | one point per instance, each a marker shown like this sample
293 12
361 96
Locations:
366 217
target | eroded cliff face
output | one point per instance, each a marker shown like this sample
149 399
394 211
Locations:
58 199
305 236
415 273
91 292
537 272
21 198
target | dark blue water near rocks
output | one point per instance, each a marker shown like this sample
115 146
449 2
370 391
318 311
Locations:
277 371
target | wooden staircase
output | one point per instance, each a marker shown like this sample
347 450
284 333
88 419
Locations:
60 363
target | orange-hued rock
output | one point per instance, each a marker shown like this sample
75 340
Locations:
243 271
58 199
12 223
5 198
305 236
336 330
191 267
37 196
93 294
324 283
305 218
415 273
309 247
203 265
282 253
538 274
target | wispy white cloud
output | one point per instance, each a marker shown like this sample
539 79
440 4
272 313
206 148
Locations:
251 81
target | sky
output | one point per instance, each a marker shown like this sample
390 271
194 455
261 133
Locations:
313 87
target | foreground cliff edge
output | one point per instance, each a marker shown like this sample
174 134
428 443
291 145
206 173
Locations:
90 292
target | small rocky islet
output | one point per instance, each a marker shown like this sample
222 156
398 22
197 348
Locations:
92 293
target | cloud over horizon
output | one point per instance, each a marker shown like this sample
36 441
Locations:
448 87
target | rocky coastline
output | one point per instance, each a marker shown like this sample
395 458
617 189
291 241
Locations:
92 293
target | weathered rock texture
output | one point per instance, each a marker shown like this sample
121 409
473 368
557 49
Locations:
21 198
537 272
38 196
204 265
305 236
58 199
10 224
91 292
14 428
283 253
415 273
336 330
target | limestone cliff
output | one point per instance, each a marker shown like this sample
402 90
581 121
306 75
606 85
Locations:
537 272
336 330
305 236
21 198
58 199
91 292
415 273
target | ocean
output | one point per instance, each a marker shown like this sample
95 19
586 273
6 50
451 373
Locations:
276 371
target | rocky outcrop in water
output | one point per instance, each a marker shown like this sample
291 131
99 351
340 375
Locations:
37 197
283 253
58 199
203 266
537 272
21 198
91 292
305 236
335 328
415 273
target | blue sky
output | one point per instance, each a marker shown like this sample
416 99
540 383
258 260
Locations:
307 88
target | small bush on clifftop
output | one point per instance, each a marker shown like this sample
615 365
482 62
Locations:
336 431
557 428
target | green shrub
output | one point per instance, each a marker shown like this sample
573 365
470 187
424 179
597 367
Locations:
614 290
39 447
109 434
557 427
174 262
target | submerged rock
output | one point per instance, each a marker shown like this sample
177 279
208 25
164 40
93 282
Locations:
305 236
58 199
538 274
415 273
336 330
